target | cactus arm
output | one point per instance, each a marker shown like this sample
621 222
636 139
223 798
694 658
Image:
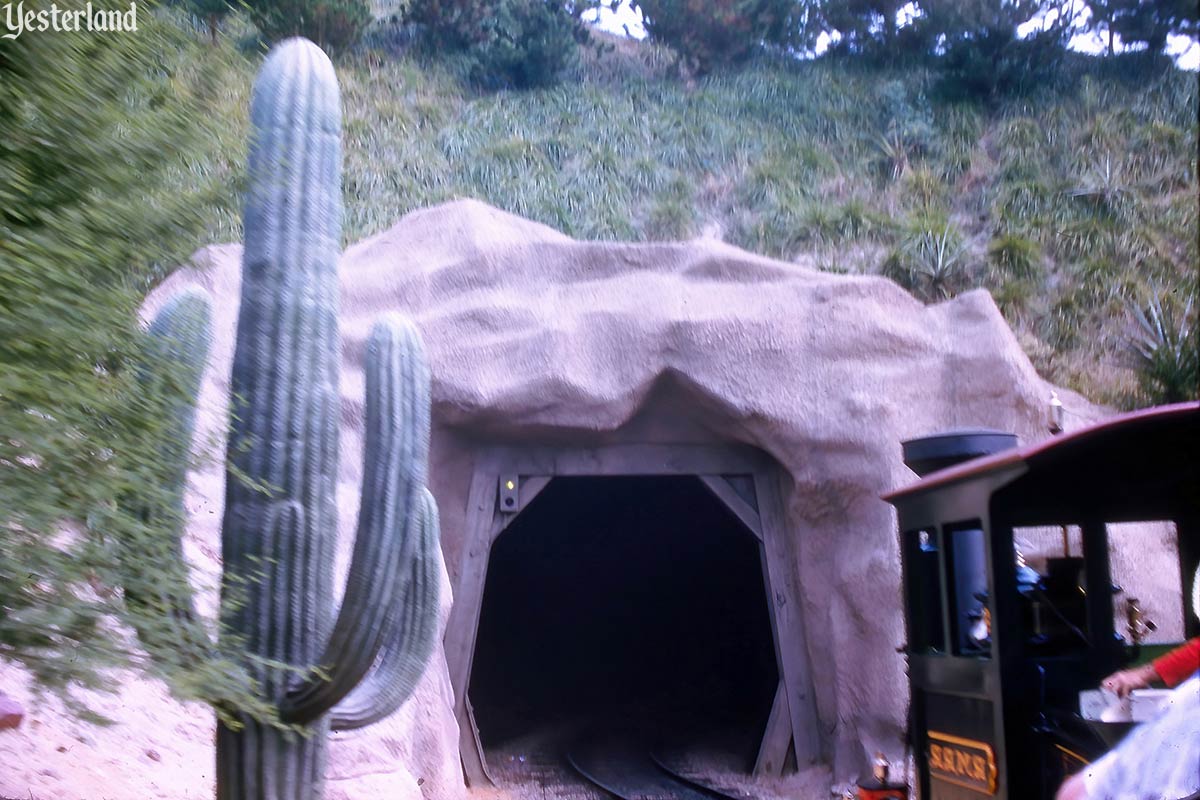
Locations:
177 348
405 655
394 467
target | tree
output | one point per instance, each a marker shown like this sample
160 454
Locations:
1147 22
706 33
518 44
212 12
865 26
1101 19
979 51
332 24
91 128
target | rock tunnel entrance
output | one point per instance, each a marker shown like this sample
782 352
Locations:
576 601
630 604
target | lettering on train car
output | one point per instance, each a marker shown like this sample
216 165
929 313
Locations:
963 762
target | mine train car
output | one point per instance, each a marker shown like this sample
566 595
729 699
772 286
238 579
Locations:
999 653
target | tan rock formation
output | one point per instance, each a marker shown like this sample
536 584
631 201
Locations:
538 339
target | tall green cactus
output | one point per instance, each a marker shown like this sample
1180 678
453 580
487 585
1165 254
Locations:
280 520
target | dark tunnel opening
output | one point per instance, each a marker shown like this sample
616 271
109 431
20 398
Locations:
625 602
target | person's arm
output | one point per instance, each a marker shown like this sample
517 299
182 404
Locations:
1125 681
1178 665
1171 670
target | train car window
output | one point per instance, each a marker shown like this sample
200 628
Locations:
1036 545
970 618
1148 604
1053 589
927 632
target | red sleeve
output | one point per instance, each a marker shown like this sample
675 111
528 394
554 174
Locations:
1179 664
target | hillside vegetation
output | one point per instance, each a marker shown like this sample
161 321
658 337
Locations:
1076 205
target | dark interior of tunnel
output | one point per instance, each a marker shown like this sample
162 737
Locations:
625 602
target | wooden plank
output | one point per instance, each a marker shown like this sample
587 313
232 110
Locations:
470 750
744 486
630 459
499 523
734 502
784 602
463 624
772 753
532 486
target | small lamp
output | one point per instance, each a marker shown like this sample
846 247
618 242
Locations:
1054 420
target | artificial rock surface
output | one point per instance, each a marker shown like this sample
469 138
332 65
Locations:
536 338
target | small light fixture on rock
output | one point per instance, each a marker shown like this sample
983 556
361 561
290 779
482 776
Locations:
1054 421
510 489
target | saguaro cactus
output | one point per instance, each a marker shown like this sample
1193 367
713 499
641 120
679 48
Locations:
280 519
178 342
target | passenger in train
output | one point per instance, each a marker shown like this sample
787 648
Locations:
1169 670
1160 759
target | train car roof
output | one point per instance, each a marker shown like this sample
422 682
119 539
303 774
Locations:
1149 455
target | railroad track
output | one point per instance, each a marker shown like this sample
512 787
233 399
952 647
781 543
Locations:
631 772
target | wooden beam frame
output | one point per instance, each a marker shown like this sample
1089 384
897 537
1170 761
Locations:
793 718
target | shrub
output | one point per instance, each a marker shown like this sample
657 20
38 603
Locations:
333 24
931 261
210 13
516 44
708 33
993 64
1012 296
923 189
450 24
1014 256
907 125
1165 342
93 132
852 221
528 43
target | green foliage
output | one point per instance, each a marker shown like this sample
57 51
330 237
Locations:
335 25
527 43
867 27
673 216
517 44
783 158
211 12
923 189
851 221
1147 22
1164 339
93 208
931 259
972 44
1015 256
907 128
995 63
709 33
